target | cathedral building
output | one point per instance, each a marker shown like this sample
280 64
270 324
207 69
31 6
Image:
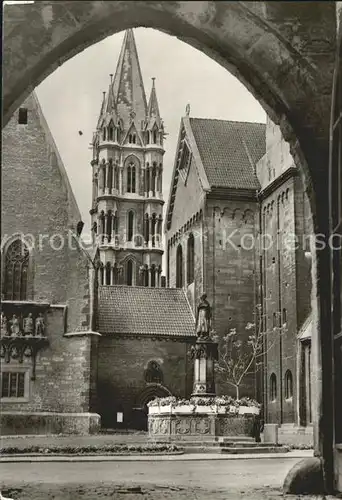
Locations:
89 338
235 209
212 205
127 172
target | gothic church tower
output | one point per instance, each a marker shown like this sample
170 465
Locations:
127 202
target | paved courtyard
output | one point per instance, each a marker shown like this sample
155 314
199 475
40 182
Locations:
167 479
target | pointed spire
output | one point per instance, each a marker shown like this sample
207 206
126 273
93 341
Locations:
153 108
128 84
102 109
110 106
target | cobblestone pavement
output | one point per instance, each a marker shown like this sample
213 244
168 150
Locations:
200 480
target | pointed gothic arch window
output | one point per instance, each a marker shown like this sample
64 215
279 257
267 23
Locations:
179 267
148 187
130 225
129 272
154 134
273 387
288 385
191 259
131 178
147 137
153 229
147 228
110 133
153 276
154 176
146 276
104 134
108 273
16 271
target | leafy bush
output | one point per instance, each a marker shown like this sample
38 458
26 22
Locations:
221 401
91 449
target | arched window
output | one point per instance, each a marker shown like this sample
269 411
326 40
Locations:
284 316
153 276
110 133
130 224
154 137
101 274
129 272
116 222
191 259
273 387
104 134
147 138
154 175
147 183
153 373
134 138
110 175
274 320
147 228
131 177
115 274
288 385
16 270
146 276
153 229
179 267
108 272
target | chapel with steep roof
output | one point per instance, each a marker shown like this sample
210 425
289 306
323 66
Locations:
127 177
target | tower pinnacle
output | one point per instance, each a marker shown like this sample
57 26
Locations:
128 87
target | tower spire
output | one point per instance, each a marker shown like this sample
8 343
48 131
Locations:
153 108
102 109
128 87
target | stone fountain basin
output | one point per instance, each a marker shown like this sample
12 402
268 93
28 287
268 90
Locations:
184 421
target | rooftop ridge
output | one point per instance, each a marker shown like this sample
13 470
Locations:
226 121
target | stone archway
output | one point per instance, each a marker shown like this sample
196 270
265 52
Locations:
150 392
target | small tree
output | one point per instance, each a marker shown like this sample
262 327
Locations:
239 358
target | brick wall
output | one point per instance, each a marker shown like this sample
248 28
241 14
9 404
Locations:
231 271
121 365
37 200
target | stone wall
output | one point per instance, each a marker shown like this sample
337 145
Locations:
38 201
286 270
122 362
231 272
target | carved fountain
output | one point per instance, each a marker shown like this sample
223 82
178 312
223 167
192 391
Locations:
201 417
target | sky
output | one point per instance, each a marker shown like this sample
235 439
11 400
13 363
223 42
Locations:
71 98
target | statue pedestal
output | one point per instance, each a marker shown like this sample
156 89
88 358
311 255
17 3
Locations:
205 353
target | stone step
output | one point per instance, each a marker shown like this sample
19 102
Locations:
245 444
199 449
234 450
236 439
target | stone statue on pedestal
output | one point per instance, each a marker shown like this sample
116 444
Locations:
4 331
203 318
28 325
40 325
15 327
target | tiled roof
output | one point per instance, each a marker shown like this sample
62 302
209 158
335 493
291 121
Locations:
144 311
229 151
